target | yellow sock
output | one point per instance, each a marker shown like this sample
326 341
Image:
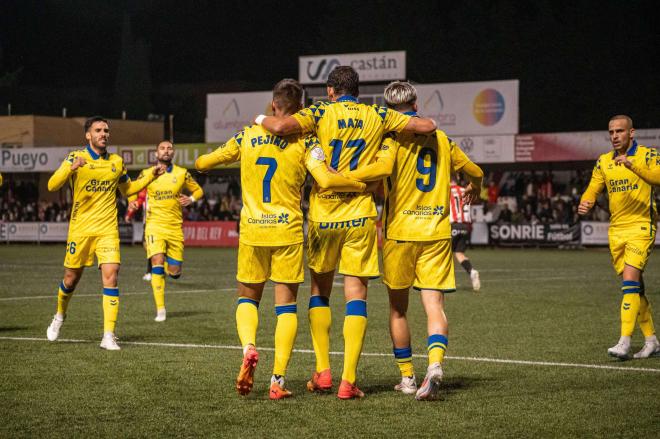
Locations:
403 358
63 297
355 326
629 307
285 336
320 319
110 308
437 345
645 318
158 285
247 320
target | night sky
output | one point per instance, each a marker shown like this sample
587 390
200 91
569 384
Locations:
579 62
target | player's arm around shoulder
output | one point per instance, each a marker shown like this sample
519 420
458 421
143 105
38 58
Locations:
228 152
73 161
326 177
384 164
420 125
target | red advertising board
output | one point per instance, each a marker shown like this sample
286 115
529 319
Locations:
210 233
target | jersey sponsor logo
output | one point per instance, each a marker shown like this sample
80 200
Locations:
424 210
350 123
270 218
269 139
163 195
99 186
360 222
337 195
622 185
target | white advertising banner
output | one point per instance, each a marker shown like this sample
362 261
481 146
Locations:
471 108
371 66
595 233
227 113
33 159
488 149
31 232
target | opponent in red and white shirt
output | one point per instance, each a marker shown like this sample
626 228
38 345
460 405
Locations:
461 227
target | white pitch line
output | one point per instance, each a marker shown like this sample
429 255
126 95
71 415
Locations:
366 354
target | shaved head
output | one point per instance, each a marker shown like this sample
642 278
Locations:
623 117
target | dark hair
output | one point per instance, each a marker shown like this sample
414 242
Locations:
89 122
287 95
345 80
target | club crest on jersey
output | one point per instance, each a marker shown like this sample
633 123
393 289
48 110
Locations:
114 169
174 180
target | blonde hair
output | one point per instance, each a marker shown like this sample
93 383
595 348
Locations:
400 93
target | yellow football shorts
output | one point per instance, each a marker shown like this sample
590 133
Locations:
169 243
425 265
630 246
352 243
280 264
80 250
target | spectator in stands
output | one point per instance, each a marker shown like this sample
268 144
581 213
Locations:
493 192
505 215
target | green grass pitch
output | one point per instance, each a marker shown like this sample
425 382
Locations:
555 309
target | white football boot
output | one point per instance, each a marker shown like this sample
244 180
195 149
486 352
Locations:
161 315
109 342
476 282
408 385
620 350
430 387
146 277
651 348
53 330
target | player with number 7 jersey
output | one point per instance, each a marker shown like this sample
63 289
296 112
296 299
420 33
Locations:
273 171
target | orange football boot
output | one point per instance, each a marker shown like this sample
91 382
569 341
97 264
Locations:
349 391
245 378
320 382
278 392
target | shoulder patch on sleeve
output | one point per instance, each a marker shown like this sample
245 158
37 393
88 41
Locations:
311 141
317 154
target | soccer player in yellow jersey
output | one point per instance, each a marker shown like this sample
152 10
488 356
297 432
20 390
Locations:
94 176
628 173
164 220
273 170
342 229
417 250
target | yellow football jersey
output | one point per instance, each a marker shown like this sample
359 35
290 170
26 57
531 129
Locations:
273 170
631 199
94 187
350 134
417 194
163 208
